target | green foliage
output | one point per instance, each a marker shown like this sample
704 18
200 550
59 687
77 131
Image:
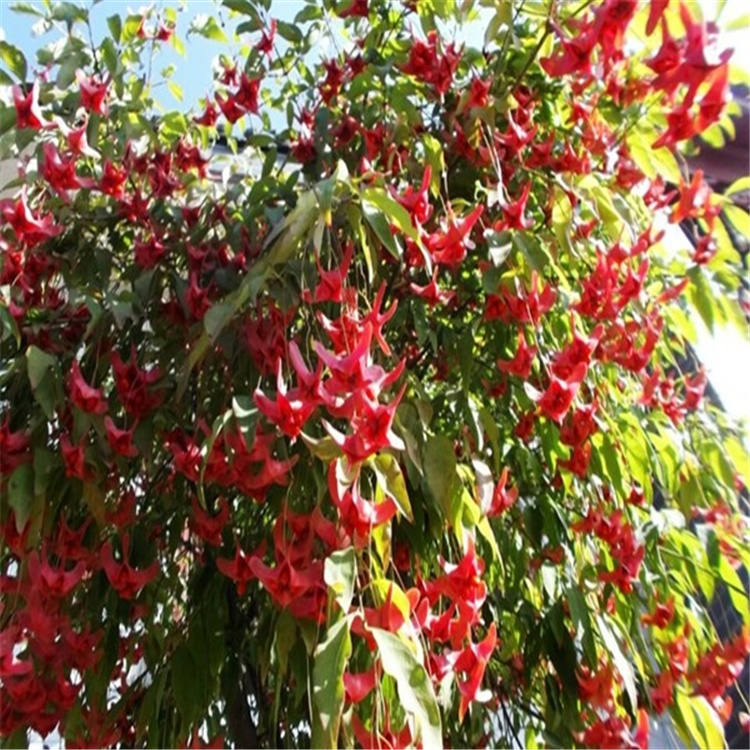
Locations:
383 427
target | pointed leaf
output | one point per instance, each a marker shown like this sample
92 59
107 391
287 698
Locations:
413 683
331 658
339 574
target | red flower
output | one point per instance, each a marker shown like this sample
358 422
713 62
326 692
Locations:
371 429
209 528
74 457
121 441
265 45
290 411
355 9
331 85
238 570
448 246
93 93
417 202
329 287
661 616
229 108
148 254
288 585
556 400
358 516
132 385
247 94
76 140
479 93
655 13
359 686
54 581
525 427
426 65
388 616
610 732
28 228
662 696
514 139
28 113
514 212
209 116
578 463
576 352
126 580
579 426
520 365
473 661
14 448
88 399
59 172
113 180
523 306
432 294
502 498
575 56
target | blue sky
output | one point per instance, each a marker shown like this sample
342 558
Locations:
193 72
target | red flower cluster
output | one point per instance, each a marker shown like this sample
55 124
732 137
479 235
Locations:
428 66
40 646
621 542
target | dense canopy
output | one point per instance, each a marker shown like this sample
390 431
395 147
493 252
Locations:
382 428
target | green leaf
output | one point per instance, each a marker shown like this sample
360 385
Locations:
217 317
436 160
702 297
186 697
69 13
21 493
323 448
708 721
413 684
93 497
741 23
738 218
740 458
174 125
388 469
384 589
309 13
737 591
14 59
738 186
622 665
286 637
27 8
8 325
289 31
176 90
115 27
340 573
109 55
43 371
245 7
67 72
207 27
439 464
331 658
382 229
393 211
695 722
579 611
